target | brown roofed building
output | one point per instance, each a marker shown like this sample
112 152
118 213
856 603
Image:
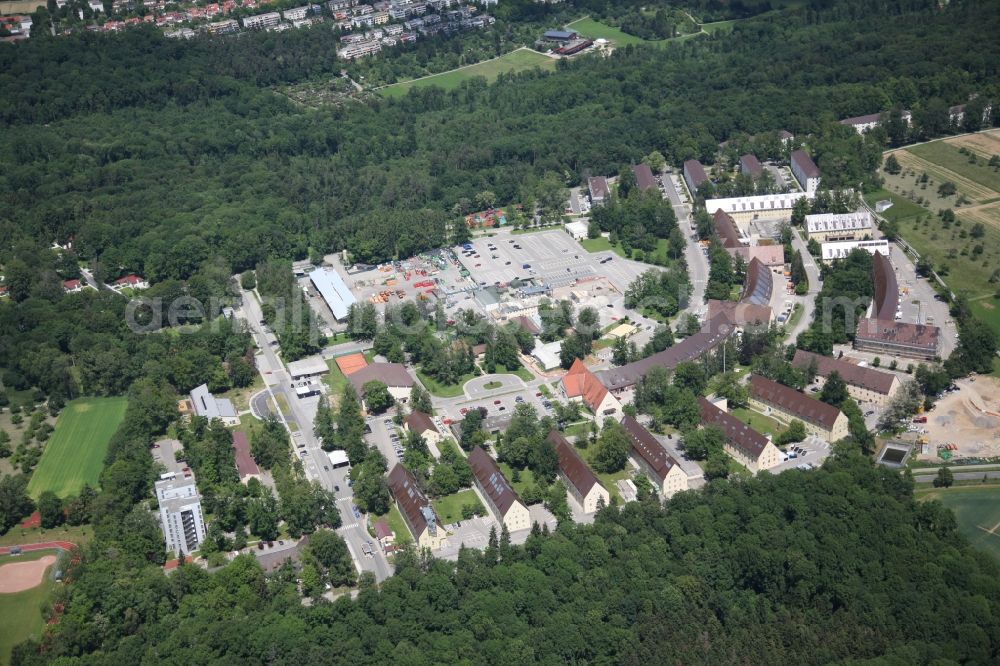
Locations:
694 176
772 256
741 315
500 497
650 456
751 166
245 464
423 425
599 191
806 171
385 536
776 399
393 375
863 383
644 179
886 289
758 284
749 447
415 508
580 480
528 324
897 338
725 229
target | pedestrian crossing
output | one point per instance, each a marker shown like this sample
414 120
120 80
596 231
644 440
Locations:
348 526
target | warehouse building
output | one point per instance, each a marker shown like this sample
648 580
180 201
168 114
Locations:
334 291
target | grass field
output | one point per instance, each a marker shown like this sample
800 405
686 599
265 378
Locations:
75 453
444 390
591 29
78 534
21 613
977 511
396 523
759 422
516 61
449 507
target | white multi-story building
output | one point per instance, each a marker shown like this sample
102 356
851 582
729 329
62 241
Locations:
825 227
180 513
761 206
296 14
840 249
806 172
261 21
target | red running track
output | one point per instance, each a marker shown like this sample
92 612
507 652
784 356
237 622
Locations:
45 545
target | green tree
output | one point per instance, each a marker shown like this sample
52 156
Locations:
944 478
612 448
15 503
795 432
50 508
834 390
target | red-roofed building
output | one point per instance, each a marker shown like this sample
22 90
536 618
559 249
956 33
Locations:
132 281
385 536
72 286
581 384
245 464
351 363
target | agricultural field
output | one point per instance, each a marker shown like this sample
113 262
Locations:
75 453
516 61
977 512
967 250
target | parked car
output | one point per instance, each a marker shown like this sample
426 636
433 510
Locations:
496 402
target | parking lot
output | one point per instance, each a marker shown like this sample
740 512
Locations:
553 256
501 402
920 304
475 532
811 452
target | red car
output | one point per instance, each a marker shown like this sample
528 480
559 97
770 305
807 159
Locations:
464 410
496 402
538 395
447 421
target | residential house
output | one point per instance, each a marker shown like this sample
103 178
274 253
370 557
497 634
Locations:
805 171
599 190
180 512
748 447
864 383
757 207
580 481
385 536
416 509
72 286
820 419
751 166
261 21
580 384
504 504
393 375
694 176
423 425
131 281
644 178
652 459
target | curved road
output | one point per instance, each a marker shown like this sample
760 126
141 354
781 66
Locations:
476 387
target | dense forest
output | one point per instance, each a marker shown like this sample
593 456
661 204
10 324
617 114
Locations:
835 565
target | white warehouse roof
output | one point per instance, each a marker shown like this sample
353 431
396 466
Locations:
307 367
334 291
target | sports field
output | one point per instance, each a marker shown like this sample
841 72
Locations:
516 61
75 453
591 29
21 612
977 512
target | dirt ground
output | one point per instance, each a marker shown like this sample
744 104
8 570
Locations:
21 576
968 418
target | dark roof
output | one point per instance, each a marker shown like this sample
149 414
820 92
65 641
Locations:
492 481
419 422
738 433
390 374
694 169
688 349
758 284
862 120
410 498
560 34
793 402
644 177
740 314
648 448
244 461
751 165
805 164
725 229
382 529
598 186
572 465
852 373
886 290
785 134
896 332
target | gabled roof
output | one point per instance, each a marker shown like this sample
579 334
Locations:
598 187
492 481
579 382
648 448
739 434
725 229
351 363
644 177
412 501
769 255
897 332
420 423
528 324
572 465
382 529
805 164
862 120
886 289
758 284
793 402
749 164
855 375
245 464
740 314
390 374
697 172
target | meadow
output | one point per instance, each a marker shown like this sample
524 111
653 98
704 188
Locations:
516 61
75 453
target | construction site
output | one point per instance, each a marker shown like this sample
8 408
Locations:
964 423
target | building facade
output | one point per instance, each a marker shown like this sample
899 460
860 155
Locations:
502 501
652 459
748 447
774 399
825 227
180 513
580 481
416 509
806 172
863 383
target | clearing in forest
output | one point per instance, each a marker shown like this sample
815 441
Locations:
75 453
516 61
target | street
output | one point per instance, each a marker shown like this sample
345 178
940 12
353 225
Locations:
697 262
299 423
807 302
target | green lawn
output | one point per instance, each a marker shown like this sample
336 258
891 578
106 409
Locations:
79 534
515 61
977 512
75 453
492 385
526 479
759 422
335 379
600 244
398 525
449 507
444 390
520 371
719 26
591 29
946 155
607 479
21 613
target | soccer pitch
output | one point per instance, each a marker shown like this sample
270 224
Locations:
75 453
977 512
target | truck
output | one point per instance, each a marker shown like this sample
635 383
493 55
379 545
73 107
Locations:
525 265
920 419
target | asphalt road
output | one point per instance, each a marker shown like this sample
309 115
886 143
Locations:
808 302
696 260
314 460
959 476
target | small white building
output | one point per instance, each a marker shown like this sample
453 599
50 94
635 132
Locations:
578 230
312 366
840 249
